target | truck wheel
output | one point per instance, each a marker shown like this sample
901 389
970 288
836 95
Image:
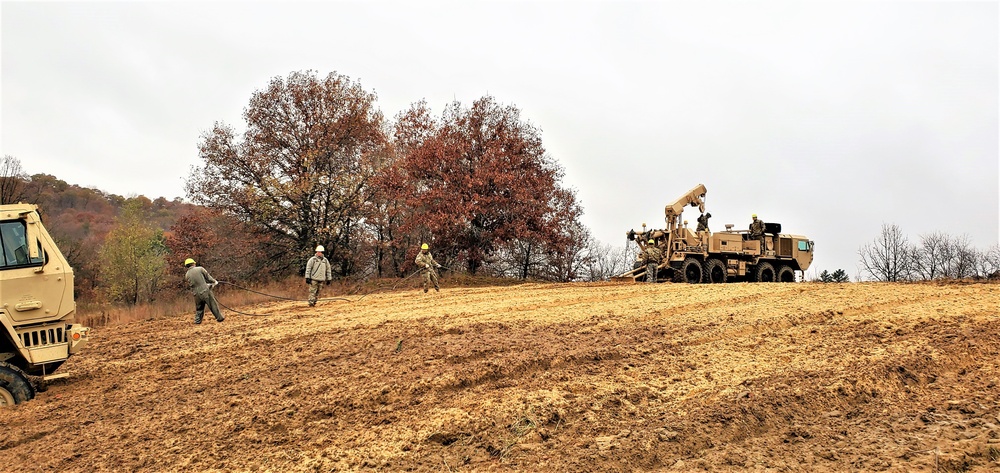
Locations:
715 271
785 274
14 385
692 270
765 272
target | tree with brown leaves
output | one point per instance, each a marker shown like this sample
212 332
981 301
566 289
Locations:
478 179
301 171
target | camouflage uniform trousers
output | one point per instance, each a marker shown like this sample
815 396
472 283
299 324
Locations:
651 272
203 299
758 234
431 277
763 243
314 292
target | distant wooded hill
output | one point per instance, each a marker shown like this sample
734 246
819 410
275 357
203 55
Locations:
80 218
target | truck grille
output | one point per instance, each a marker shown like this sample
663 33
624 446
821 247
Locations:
43 337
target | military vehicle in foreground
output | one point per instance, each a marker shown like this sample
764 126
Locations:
37 308
694 256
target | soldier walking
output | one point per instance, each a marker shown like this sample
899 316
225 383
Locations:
426 261
757 232
201 284
318 271
651 256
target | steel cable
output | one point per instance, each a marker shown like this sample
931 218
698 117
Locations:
298 300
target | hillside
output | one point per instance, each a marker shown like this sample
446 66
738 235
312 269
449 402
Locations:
540 377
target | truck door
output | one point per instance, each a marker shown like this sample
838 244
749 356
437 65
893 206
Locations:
26 289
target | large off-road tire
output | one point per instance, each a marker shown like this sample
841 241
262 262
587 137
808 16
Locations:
715 271
14 385
785 273
764 272
692 271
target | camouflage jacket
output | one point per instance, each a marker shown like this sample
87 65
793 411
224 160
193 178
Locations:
652 254
426 260
318 269
702 224
757 228
198 279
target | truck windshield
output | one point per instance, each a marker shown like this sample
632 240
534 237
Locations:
15 246
803 245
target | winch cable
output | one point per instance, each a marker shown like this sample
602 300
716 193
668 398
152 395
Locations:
299 300
282 297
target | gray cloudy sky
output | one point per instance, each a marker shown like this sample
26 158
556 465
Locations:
831 118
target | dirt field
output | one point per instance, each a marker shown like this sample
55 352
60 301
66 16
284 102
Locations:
570 377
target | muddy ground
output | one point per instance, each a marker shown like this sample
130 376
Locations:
539 377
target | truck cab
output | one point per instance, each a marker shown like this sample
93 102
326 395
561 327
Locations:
37 308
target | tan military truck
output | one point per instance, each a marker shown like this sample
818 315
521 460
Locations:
37 309
732 255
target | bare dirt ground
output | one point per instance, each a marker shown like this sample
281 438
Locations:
540 377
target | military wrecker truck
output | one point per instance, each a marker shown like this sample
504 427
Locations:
37 310
694 256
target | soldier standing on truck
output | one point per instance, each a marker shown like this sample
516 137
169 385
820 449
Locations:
426 262
703 222
318 271
757 232
201 284
652 256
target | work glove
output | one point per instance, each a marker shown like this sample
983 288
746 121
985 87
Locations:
327 282
309 281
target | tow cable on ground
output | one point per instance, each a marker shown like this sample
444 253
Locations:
297 300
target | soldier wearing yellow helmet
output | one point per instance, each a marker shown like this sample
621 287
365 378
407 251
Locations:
201 284
425 261
651 255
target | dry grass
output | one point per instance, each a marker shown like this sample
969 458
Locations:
103 314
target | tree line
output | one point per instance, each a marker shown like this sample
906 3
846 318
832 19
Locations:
936 255
319 164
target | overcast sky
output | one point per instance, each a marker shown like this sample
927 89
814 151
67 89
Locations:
830 118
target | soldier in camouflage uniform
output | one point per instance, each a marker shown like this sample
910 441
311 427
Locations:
651 256
757 232
318 271
426 261
201 284
703 222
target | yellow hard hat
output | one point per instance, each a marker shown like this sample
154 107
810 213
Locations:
188 261
425 247
754 216
651 241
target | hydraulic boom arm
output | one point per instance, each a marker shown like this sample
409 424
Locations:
694 197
